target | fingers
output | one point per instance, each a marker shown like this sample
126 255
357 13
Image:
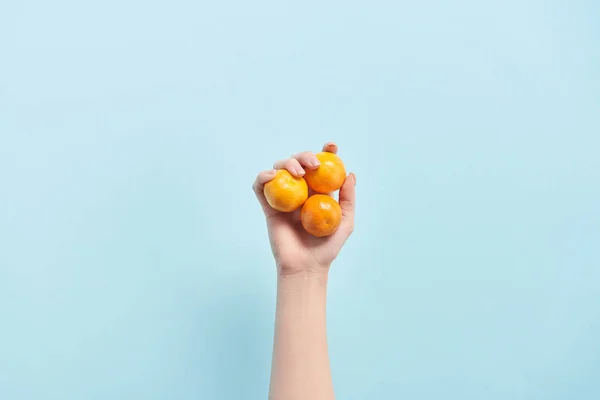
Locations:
330 147
347 201
298 163
292 165
308 159
257 186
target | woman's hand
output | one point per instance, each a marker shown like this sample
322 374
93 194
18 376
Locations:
294 249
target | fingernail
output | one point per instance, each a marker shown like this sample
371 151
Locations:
272 172
353 178
315 162
299 171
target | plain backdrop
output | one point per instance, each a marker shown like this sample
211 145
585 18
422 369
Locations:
134 262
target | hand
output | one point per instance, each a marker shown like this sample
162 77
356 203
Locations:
294 249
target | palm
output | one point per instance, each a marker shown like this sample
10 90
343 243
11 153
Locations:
292 245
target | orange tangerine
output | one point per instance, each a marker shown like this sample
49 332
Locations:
330 175
286 192
321 215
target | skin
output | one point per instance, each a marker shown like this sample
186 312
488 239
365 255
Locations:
300 366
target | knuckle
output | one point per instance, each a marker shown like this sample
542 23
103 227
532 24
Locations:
292 163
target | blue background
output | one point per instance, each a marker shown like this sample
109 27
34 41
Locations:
133 256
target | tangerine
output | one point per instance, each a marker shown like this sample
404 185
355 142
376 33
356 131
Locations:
329 176
285 192
321 215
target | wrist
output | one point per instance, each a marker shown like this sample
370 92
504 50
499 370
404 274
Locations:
302 278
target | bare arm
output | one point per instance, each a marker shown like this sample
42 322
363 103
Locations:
300 369
300 359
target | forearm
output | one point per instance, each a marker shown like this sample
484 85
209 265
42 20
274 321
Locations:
300 368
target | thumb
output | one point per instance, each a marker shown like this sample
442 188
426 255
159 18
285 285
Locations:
347 201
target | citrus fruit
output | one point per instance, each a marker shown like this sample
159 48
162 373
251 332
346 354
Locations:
329 176
286 192
321 215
